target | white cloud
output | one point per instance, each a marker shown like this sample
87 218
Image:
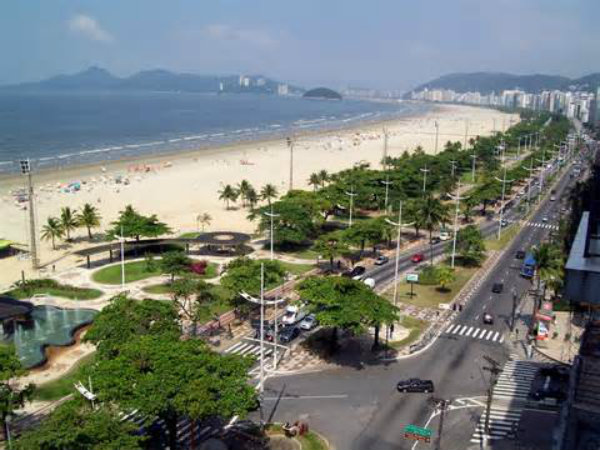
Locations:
223 32
88 27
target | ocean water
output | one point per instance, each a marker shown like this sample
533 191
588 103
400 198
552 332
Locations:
60 129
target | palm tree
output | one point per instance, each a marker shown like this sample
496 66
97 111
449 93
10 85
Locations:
89 218
323 177
268 192
548 262
433 212
205 219
68 220
314 181
52 231
243 188
252 197
228 194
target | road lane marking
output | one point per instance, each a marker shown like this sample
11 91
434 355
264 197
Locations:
496 336
450 328
489 334
470 330
306 397
462 330
477 330
501 339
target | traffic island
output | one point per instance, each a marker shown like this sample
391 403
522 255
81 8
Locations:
294 437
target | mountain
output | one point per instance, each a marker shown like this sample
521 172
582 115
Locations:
98 79
486 82
322 93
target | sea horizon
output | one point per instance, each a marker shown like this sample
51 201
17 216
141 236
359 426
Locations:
59 130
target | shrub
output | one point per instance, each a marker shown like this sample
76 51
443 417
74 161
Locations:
151 264
429 276
199 267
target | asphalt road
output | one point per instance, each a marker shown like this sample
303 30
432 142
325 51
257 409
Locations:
359 409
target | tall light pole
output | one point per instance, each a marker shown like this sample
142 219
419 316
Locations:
453 164
399 225
26 170
530 169
387 184
457 198
351 194
473 157
543 171
290 144
424 170
504 182
122 241
272 216
261 301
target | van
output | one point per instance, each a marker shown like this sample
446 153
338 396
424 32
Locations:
292 315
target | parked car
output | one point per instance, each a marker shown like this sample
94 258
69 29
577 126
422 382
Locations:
520 254
497 288
288 334
356 273
435 240
488 319
309 322
415 385
381 260
552 198
293 314
444 235
417 258
370 282
503 222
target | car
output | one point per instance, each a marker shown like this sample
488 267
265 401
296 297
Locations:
417 258
415 385
520 254
488 319
552 198
497 288
288 334
435 240
356 273
545 219
309 322
381 260
444 235
370 282
293 314
503 222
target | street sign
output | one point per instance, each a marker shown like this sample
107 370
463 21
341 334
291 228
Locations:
412 277
417 433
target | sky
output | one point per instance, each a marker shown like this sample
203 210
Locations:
386 44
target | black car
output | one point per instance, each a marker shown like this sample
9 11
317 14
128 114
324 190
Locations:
435 240
355 273
497 288
288 334
520 254
415 385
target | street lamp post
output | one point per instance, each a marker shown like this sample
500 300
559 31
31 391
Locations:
385 148
122 241
351 194
387 184
453 164
530 169
473 157
457 198
399 225
424 170
504 182
271 215
26 170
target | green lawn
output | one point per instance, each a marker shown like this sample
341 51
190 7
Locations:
137 270
63 386
296 269
415 327
431 296
54 289
309 441
305 253
190 235
508 234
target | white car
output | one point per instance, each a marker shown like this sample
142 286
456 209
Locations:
444 235
309 322
370 282
293 314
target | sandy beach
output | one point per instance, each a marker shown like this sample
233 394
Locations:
179 187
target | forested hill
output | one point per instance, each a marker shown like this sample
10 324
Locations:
487 82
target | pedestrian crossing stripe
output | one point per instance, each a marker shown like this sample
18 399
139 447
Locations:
475 333
246 348
543 225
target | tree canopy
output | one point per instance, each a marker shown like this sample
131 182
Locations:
470 246
136 225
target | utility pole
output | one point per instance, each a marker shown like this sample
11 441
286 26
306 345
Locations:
352 195
442 404
457 198
424 170
504 182
272 215
387 184
473 157
543 161
494 372
514 310
290 144
399 225
530 169
453 164
26 170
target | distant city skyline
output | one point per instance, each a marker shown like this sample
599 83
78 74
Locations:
387 45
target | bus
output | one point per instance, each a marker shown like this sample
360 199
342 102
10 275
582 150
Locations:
528 267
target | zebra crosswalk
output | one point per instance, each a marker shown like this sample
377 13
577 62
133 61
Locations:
472 332
509 397
547 226
249 348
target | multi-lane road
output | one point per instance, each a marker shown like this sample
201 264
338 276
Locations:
360 408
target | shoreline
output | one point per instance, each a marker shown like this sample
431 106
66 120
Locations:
46 175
